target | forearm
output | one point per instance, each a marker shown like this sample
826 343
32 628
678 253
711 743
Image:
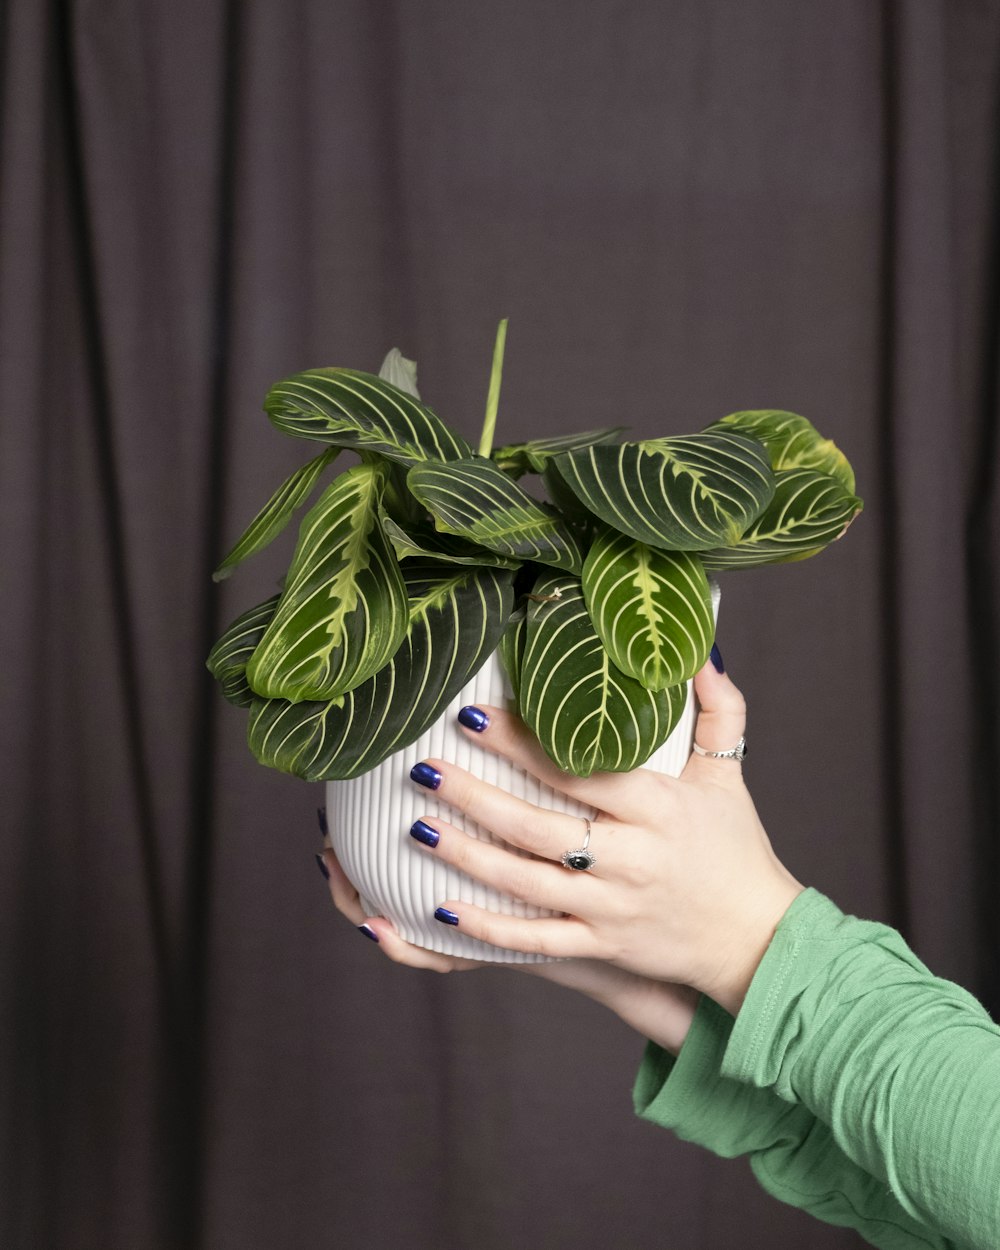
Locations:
843 1019
658 1010
792 1153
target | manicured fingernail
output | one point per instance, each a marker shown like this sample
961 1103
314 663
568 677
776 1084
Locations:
321 817
473 718
716 657
322 866
424 833
445 916
368 931
424 775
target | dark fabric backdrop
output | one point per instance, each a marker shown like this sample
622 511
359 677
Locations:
685 208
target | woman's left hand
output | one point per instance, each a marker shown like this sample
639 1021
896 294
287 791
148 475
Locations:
685 886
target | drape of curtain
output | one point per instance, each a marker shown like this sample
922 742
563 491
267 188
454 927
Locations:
685 208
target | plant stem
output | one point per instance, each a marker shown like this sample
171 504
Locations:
493 399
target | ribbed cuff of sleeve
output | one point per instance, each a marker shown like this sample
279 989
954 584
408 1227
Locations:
690 1096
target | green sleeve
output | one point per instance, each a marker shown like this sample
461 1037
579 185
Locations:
844 1020
792 1154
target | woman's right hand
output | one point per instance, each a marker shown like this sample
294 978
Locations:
659 1010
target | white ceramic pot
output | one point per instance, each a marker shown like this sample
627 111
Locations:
370 818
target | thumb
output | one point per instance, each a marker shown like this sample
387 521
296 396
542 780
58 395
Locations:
722 715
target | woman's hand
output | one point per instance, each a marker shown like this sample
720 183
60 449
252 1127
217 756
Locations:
686 887
656 1009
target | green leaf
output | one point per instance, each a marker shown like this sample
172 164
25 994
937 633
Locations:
533 456
228 659
456 616
444 547
359 410
343 610
808 512
652 609
475 499
276 513
793 442
686 494
512 644
586 713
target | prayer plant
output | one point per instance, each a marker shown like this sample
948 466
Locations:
415 565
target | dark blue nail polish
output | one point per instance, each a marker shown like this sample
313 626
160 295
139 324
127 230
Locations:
473 718
322 866
321 817
716 657
368 931
424 775
424 833
445 916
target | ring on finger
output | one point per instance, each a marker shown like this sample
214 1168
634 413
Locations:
580 859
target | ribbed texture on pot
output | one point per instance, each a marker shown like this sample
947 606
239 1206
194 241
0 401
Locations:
370 819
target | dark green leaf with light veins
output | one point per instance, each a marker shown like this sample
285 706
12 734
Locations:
808 512
586 713
651 608
793 442
512 645
228 659
343 610
685 494
533 456
276 513
456 616
475 499
438 546
359 410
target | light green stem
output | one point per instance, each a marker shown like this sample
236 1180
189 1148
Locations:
493 399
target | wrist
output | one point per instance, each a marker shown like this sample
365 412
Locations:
749 944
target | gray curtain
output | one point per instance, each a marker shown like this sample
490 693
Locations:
685 208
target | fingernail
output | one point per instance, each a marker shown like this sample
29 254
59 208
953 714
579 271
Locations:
322 866
368 931
445 916
321 817
716 657
424 833
424 775
473 718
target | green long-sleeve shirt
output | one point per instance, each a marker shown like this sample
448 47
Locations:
864 1089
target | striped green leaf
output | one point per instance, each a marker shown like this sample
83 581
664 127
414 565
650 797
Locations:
682 494
808 512
456 617
533 456
343 610
228 659
652 609
586 713
793 442
475 499
359 410
512 644
444 547
276 513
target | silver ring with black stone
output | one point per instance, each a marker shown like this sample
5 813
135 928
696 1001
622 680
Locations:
580 860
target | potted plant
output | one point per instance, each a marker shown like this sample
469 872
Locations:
427 577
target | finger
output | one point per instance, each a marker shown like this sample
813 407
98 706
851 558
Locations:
533 880
545 833
565 937
722 716
381 930
619 794
402 952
